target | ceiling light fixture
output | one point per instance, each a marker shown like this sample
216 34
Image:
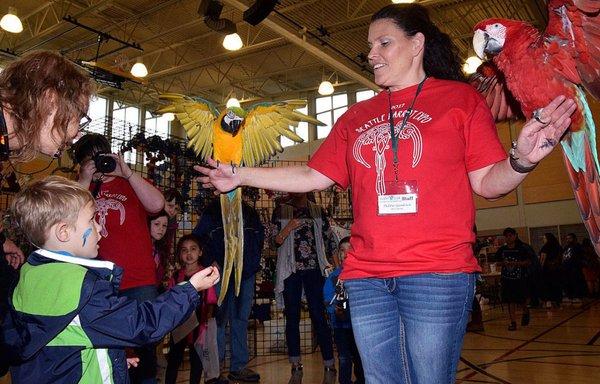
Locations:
232 42
326 88
471 64
139 69
233 102
169 116
211 10
11 22
403 1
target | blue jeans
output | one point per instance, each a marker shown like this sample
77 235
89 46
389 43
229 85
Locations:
236 311
145 373
410 329
313 281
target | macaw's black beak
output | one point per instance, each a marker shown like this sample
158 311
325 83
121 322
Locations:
493 47
485 45
232 127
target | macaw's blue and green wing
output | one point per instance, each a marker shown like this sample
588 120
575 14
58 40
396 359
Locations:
265 123
197 117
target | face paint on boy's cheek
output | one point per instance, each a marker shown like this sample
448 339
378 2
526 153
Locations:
86 234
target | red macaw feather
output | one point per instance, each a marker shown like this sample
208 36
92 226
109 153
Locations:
489 81
587 194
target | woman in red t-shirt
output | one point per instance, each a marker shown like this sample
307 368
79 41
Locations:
413 155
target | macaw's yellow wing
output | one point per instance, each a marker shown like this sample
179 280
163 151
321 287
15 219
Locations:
197 117
265 123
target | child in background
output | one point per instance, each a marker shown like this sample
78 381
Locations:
158 228
66 323
189 252
160 252
339 318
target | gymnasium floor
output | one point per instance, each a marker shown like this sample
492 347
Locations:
559 346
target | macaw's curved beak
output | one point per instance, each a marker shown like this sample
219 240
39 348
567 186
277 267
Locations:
231 124
485 45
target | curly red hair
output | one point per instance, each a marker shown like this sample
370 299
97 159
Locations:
26 86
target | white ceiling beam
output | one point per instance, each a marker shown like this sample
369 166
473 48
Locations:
214 59
97 7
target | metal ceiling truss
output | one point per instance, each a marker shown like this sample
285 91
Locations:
284 56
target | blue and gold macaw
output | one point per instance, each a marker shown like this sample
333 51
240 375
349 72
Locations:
241 138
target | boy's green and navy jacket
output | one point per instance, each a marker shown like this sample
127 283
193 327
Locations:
66 323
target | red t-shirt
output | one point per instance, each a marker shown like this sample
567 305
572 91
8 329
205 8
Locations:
125 234
450 132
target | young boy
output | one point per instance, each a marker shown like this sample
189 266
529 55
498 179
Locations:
339 318
66 323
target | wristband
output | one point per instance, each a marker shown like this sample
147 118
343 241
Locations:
515 164
520 168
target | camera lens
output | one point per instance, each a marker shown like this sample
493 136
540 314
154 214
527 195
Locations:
105 163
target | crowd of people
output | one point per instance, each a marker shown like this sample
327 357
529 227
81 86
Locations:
398 291
554 276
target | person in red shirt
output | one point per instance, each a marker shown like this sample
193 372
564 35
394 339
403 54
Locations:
124 200
413 155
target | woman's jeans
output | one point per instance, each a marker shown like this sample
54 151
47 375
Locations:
410 329
312 281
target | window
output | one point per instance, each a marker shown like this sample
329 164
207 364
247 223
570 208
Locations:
301 130
364 95
158 125
97 112
126 122
329 109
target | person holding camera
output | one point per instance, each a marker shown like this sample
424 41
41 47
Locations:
123 202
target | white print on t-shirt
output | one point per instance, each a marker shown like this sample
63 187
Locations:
378 137
102 207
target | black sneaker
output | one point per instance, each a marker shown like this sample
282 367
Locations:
329 375
297 374
246 375
512 326
217 380
475 326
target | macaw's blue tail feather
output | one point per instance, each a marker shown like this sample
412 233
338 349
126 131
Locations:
231 213
575 143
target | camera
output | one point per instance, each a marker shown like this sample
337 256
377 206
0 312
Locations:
105 163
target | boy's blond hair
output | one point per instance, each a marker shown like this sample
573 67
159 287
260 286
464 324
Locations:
46 202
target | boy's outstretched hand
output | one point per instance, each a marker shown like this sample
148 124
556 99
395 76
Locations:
205 278
132 362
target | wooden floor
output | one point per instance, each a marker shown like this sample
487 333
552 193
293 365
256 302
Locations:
559 346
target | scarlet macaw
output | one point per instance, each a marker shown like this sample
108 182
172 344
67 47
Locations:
236 137
563 60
